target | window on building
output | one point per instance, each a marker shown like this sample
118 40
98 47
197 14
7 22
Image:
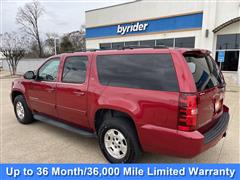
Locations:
150 43
75 69
164 42
231 60
132 43
117 45
145 71
105 46
228 41
186 42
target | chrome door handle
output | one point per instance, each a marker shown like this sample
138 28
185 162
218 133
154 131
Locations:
202 93
33 98
78 93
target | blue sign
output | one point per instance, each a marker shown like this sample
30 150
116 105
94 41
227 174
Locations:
221 56
190 21
118 171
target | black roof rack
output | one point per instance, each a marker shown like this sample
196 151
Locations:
85 50
126 47
145 46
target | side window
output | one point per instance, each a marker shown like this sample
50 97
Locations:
145 71
75 68
48 72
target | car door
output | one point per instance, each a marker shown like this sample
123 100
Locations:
42 94
71 92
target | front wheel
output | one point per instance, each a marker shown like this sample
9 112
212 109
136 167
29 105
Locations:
118 141
22 111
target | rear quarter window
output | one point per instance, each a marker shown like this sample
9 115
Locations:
145 71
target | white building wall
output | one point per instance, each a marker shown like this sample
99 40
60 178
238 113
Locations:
215 13
231 29
227 11
209 16
140 10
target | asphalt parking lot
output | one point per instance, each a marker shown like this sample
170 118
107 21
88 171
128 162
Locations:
43 143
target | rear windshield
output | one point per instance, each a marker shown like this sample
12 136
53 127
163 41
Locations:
204 70
141 71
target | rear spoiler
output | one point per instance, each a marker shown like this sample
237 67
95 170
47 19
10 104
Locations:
197 52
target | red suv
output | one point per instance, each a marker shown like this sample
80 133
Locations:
166 101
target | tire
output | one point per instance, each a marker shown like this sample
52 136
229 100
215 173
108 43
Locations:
111 131
25 116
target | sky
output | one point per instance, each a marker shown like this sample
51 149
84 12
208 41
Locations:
60 16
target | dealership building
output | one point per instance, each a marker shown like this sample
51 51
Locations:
212 25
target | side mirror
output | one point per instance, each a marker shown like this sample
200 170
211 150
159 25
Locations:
29 75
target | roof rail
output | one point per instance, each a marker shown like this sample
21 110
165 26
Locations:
85 50
125 47
139 47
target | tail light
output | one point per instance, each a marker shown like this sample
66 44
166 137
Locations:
187 118
218 105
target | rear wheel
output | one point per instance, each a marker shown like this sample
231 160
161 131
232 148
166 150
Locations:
115 143
118 141
22 112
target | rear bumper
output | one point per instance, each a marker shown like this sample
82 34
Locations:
217 129
179 143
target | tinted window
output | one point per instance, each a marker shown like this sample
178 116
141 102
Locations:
147 43
105 46
228 41
231 61
148 71
187 42
132 43
165 42
205 72
48 72
75 69
117 45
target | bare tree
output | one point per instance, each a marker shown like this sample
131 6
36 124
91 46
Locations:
28 18
13 47
77 39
